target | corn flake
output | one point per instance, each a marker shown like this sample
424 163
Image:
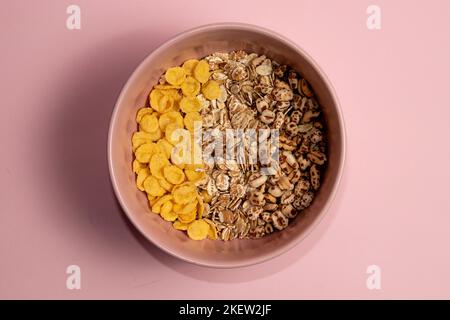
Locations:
189 207
149 123
190 87
164 87
184 193
156 207
165 185
165 146
152 187
139 138
167 213
190 104
190 118
152 200
165 104
177 207
141 176
211 90
174 93
201 71
170 117
138 166
157 164
188 217
155 96
200 207
142 112
206 196
189 66
155 136
212 232
172 135
175 76
180 165
194 175
173 174
178 225
144 152
198 230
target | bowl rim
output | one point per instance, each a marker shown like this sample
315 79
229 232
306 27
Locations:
336 183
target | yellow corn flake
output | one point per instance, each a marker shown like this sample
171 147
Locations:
189 207
141 176
142 112
188 217
174 93
194 175
152 200
189 66
190 118
212 232
165 147
144 152
184 193
190 87
149 123
164 87
176 106
211 90
177 207
200 207
175 76
190 104
172 135
138 166
198 230
139 138
165 104
170 117
195 166
206 196
155 136
180 165
201 71
157 164
167 207
155 96
167 213
156 207
178 225
166 185
173 174
152 187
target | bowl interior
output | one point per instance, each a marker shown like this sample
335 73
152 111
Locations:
196 44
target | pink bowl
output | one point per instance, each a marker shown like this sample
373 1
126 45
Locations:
197 43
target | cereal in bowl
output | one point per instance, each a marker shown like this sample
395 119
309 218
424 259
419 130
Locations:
252 103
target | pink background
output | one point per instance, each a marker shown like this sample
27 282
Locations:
58 208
